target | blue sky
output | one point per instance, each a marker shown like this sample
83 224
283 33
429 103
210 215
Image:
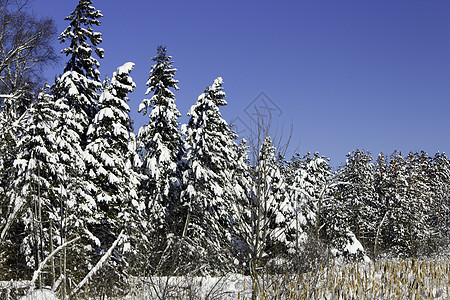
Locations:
345 74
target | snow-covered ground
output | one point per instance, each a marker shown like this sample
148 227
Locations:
386 279
40 295
233 286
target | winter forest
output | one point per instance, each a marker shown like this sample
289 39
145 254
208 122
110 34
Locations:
86 204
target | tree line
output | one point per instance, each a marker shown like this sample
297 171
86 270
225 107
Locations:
85 203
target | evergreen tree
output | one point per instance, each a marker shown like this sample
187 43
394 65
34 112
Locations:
356 192
273 212
332 219
34 186
10 131
440 211
207 195
75 99
115 180
242 188
13 117
316 185
81 79
382 189
161 147
301 186
392 187
161 139
420 199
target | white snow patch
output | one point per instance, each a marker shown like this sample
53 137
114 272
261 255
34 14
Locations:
40 295
125 68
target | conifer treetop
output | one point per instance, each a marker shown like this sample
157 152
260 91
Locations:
112 121
160 81
82 38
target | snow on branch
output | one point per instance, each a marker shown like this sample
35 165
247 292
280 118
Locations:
100 263
44 262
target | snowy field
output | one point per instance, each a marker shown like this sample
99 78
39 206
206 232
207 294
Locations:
233 286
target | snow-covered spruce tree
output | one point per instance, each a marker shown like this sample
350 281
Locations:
161 147
332 226
308 252
242 188
309 179
76 92
420 200
273 213
392 188
406 200
316 180
115 180
10 131
81 79
207 195
13 114
33 190
383 191
356 192
440 213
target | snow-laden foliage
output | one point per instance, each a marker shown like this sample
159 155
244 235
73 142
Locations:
35 187
208 197
323 218
113 175
160 140
405 197
440 210
356 193
243 222
110 137
31 190
272 210
13 117
75 94
81 78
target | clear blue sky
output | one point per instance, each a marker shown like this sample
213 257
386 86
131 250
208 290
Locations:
346 74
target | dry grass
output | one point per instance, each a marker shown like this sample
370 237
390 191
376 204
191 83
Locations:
387 279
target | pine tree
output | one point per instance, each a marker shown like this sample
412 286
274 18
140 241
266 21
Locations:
332 220
33 191
440 212
382 189
13 115
356 192
160 138
81 79
420 200
161 147
76 92
115 180
273 213
207 196
300 187
242 188
315 182
39 161
10 131
392 188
